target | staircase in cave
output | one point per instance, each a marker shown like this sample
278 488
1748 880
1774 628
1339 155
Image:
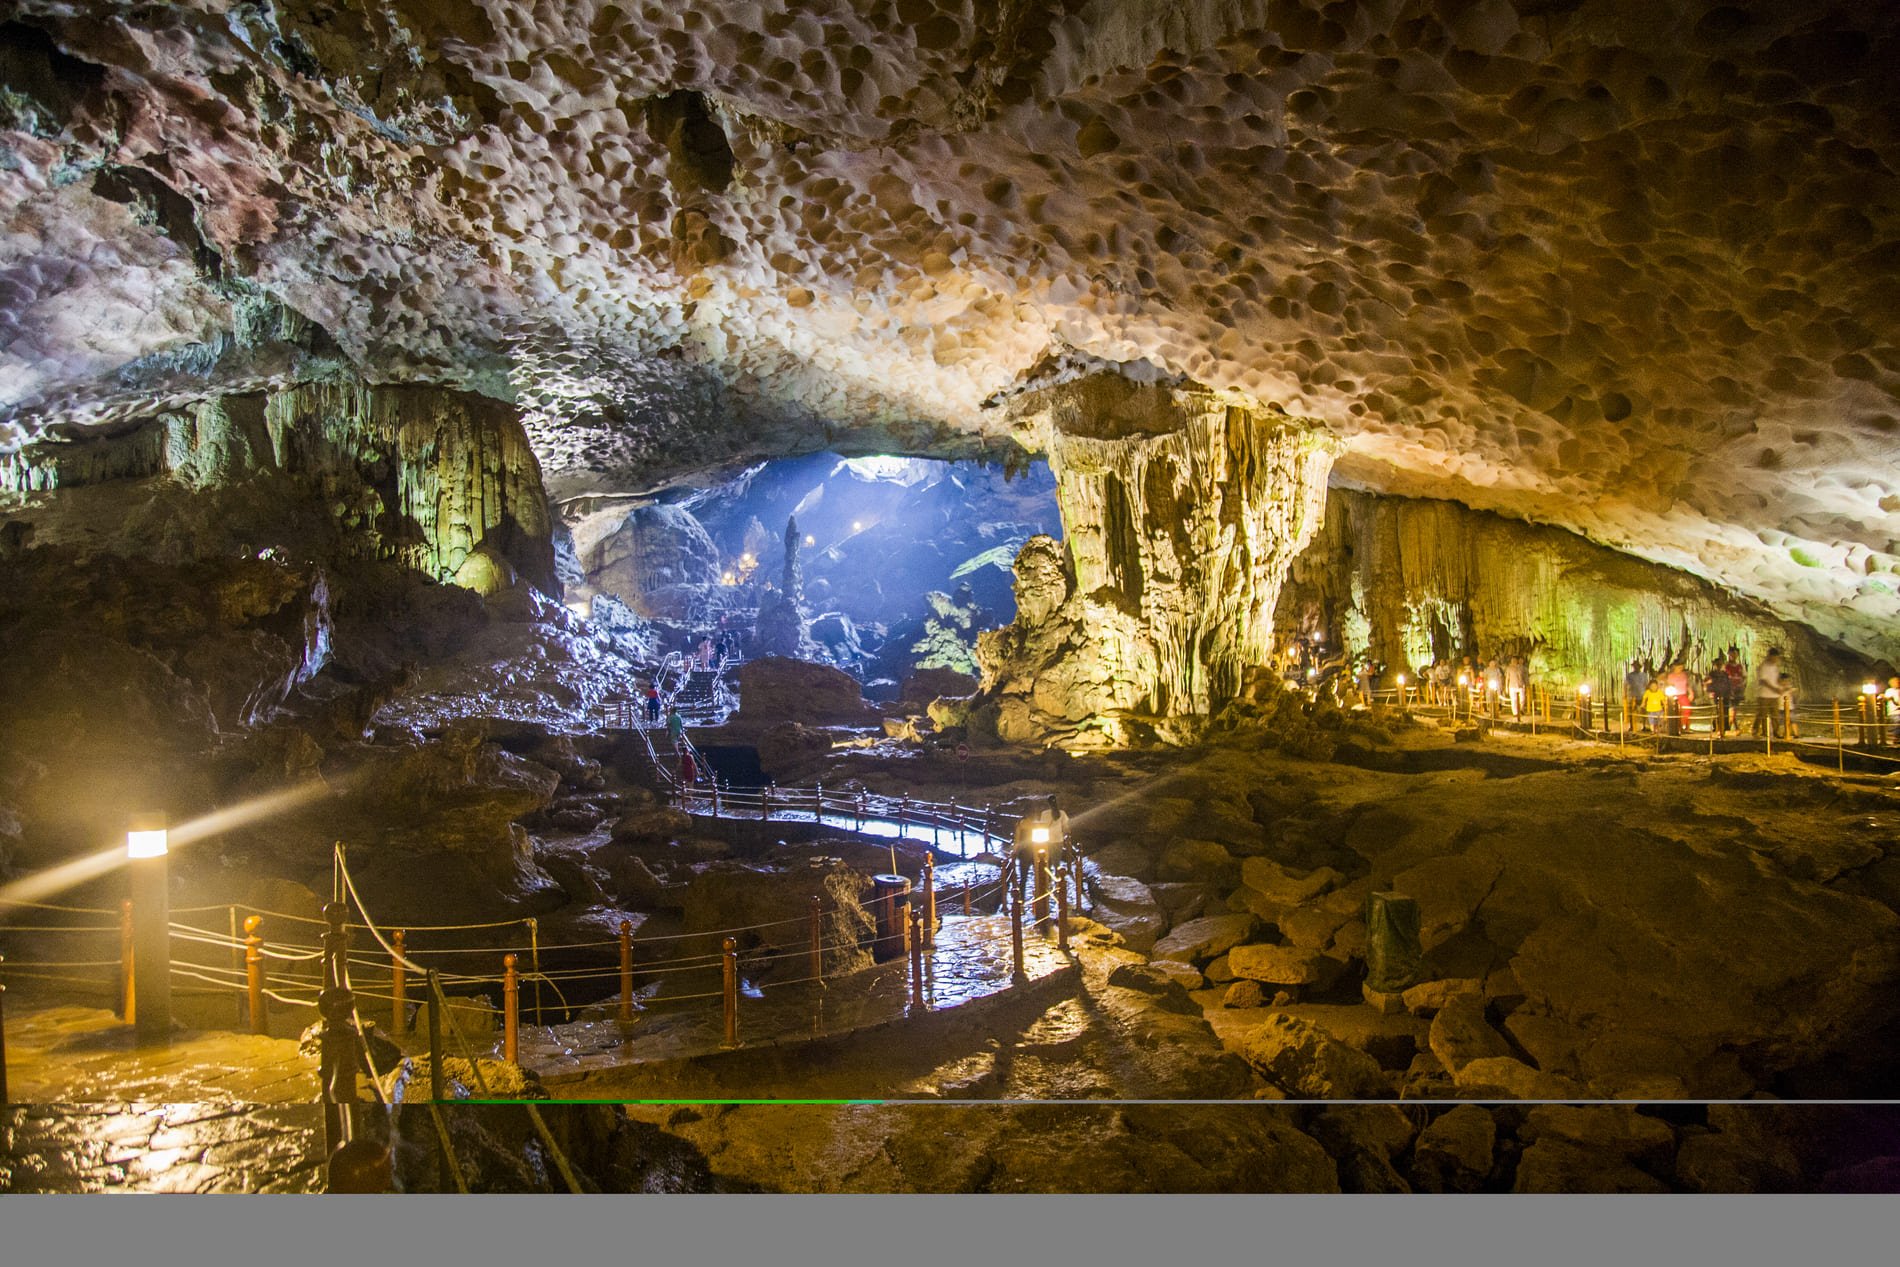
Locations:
697 691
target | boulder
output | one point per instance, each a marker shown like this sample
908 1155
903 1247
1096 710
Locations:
1165 982
1461 1034
791 750
1363 1139
1448 890
1310 926
775 689
1305 1060
659 822
1555 1165
773 904
1743 1151
1610 1128
1513 1078
1125 858
1219 970
1453 1153
1201 939
925 685
1244 994
1283 965
1202 861
1128 908
1282 886
1428 997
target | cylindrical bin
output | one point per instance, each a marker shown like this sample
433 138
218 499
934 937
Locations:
891 904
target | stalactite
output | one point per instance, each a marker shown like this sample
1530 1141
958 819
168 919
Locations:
1181 509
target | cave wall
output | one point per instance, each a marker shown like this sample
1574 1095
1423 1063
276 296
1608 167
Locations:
1410 579
1182 508
439 481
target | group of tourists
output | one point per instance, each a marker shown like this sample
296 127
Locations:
1664 696
1499 684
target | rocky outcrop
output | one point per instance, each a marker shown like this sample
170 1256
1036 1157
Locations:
1410 580
773 689
659 562
1182 508
439 482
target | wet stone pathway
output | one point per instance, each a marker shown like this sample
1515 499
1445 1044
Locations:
970 962
213 1112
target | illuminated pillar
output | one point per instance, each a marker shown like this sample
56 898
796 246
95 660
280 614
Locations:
148 865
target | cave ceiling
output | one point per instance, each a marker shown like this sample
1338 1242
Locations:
1625 266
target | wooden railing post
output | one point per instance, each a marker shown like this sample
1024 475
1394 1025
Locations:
336 1067
626 972
510 1011
930 901
730 991
126 964
1075 870
817 940
916 959
438 1076
1017 975
398 986
1062 912
254 974
966 897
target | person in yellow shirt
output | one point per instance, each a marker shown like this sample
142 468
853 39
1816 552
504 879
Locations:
1654 701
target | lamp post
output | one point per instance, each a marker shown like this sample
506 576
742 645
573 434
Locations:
1583 706
1869 713
149 870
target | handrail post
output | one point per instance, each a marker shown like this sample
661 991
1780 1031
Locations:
989 824
126 962
626 972
1042 888
254 974
861 800
1075 872
510 1011
817 940
237 960
966 897
930 901
729 992
438 1077
534 962
152 948
1017 975
398 986
336 1068
1840 745
1062 912
916 960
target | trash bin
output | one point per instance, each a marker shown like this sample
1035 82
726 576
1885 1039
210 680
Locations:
891 907
1393 956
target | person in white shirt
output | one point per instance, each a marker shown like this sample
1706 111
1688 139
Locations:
1768 693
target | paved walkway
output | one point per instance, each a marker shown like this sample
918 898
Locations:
971 962
213 1112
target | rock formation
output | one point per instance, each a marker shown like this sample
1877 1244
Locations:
1183 507
781 630
659 562
1411 580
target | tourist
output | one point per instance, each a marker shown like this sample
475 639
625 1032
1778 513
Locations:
689 769
1368 678
653 704
1654 701
1890 701
1769 688
705 653
1680 687
1441 681
1737 687
1635 682
1717 686
1493 685
675 726
1517 681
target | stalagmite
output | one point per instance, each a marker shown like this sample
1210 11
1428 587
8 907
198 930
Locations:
1183 507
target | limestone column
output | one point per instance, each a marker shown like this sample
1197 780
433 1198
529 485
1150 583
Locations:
1182 509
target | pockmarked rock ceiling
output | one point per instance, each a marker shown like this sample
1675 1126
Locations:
1624 266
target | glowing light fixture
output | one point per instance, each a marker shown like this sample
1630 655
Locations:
1670 691
1038 835
857 525
147 837
810 540
1583 689
727 578
1869 688
1464 679
1401 679
747 558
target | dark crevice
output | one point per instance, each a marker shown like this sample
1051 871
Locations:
156 203
700 157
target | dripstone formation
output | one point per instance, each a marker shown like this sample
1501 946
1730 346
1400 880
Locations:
1183 508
